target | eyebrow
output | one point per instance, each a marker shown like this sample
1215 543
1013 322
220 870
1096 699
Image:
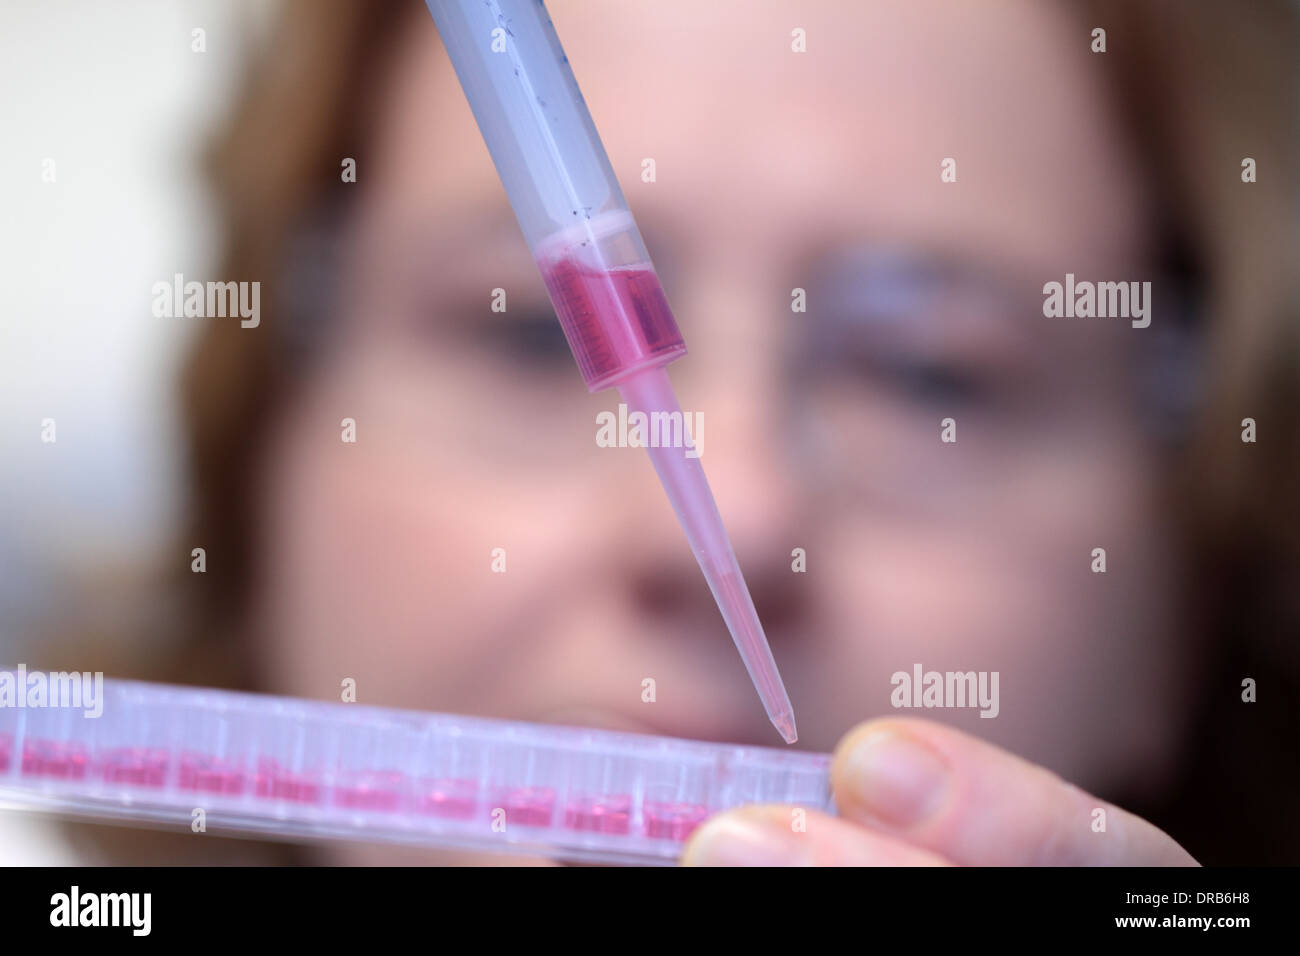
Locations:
473 238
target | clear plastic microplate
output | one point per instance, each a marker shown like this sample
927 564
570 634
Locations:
303 770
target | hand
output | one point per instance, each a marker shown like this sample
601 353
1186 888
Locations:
914 793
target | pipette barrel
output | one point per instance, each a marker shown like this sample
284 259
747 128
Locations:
560 184
593 260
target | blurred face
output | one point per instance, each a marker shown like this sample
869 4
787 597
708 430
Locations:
775 171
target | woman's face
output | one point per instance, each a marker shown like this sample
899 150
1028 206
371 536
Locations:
774 170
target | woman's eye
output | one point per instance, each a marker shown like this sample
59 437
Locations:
931 383
917 381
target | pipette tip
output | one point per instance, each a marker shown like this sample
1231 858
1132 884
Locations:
784 723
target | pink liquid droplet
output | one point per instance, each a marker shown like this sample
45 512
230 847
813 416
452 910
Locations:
277 783
527 806
452 799
138 766
673 821
379 792
54 758
210 774
603 814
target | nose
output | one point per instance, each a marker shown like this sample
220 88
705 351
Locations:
733 379
730 386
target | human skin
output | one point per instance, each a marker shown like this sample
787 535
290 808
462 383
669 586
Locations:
915 793
474 433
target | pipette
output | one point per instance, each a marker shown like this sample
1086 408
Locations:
604 288
305 770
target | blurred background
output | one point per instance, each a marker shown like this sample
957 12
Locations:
119 101
131 156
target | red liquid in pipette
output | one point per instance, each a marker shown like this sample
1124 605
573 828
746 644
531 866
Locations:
6 749
615 319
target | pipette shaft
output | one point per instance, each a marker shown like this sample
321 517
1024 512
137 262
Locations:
605 290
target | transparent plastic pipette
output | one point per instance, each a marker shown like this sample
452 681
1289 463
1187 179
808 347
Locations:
596 268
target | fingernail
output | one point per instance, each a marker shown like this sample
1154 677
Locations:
900 781
728 841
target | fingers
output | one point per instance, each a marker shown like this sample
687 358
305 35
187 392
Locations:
788 836
974 804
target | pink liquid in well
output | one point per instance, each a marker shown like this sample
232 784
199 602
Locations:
604 814
210 774
54 758
276 783
138 766
451 799
615 320
673 821
527 806
378 792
